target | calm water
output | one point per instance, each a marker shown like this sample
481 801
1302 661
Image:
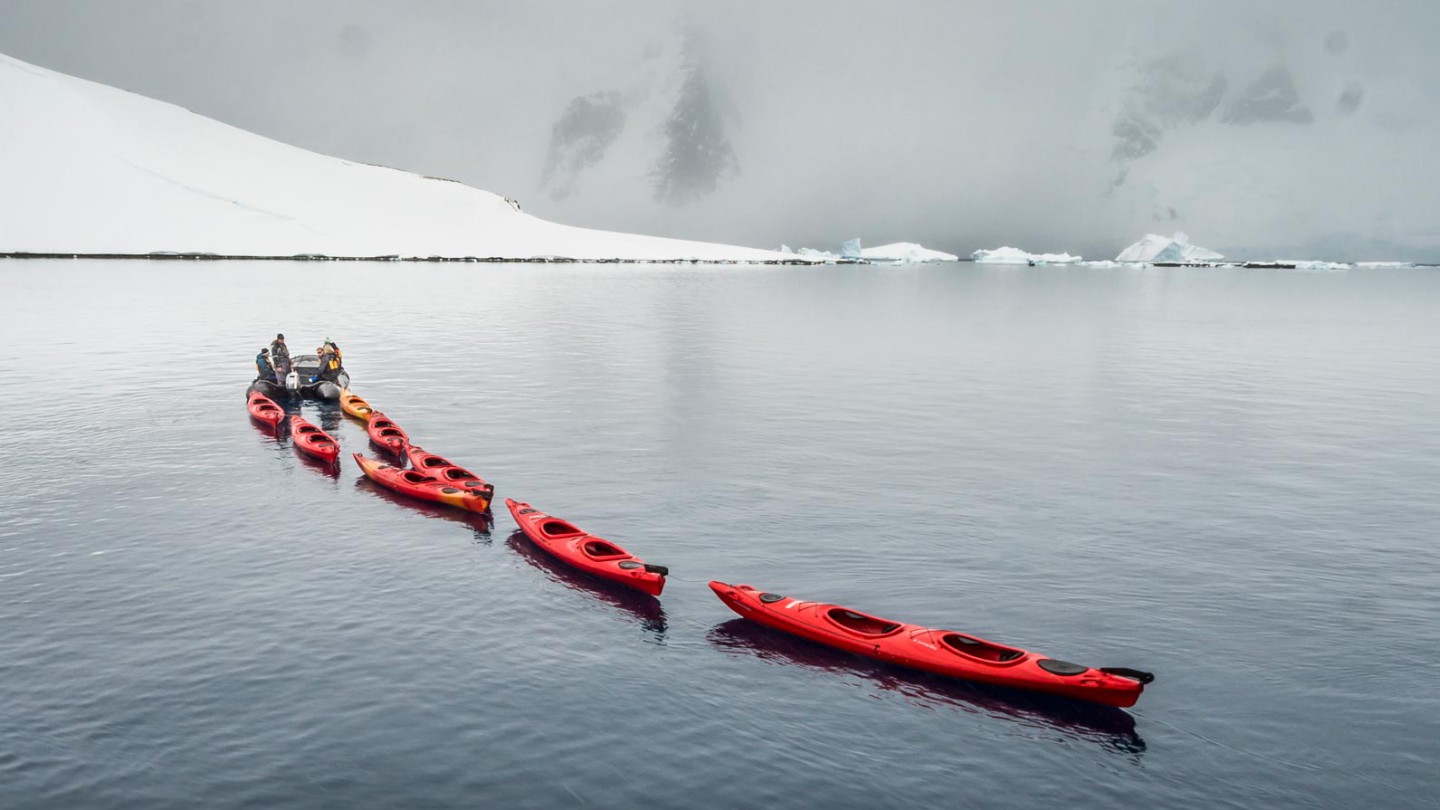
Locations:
1227 477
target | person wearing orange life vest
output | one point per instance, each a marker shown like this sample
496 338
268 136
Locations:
331 361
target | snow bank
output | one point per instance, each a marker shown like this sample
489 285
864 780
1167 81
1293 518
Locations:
91 169
1156 248
906 253
1320 266
1010 255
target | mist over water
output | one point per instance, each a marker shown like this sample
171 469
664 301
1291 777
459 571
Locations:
1293 130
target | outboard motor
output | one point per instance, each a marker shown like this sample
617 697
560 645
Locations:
292 381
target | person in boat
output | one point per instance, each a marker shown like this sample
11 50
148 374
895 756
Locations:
262 365
330 362
280 357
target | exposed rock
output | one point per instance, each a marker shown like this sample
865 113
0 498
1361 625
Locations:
579 140
1350 99
697 151
1270 98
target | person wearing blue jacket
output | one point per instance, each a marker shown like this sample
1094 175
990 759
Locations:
262 365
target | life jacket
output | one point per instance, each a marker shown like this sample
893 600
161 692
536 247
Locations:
333 363
262 365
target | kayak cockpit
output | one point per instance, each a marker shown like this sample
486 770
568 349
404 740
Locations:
980 648
457 474
598 549
417 477
555 527
860 623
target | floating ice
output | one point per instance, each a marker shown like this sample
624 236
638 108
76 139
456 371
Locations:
1010 255
1156 248
905 253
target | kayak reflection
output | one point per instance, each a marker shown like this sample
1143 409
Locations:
329 469
647 609
1113 729
329 417
479 522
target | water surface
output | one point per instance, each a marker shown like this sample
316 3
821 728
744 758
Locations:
1223 476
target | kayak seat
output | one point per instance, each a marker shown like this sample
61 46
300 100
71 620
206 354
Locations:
1055 667
977 648
860 623
556 528
417 478
600 550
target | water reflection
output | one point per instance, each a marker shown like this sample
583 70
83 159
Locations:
274 435
329 417
645 608
1113 729
480 524
329 469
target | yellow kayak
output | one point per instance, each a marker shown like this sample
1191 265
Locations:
355 406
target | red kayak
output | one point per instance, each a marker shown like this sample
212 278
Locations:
942 652
422 486
313 440
591 554
385 433
263 409
446 470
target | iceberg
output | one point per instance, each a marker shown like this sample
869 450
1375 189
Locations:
906 253
1155 248
90 169
893 253
1010 255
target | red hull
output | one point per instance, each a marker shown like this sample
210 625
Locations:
591 554
446 470
313 441
264 410
386 434
419 485
942 652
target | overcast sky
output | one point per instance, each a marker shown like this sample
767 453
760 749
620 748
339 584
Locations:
1263 128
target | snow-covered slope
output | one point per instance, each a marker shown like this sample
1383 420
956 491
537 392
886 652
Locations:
87 168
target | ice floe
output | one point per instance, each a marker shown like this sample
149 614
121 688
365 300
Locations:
1010 255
